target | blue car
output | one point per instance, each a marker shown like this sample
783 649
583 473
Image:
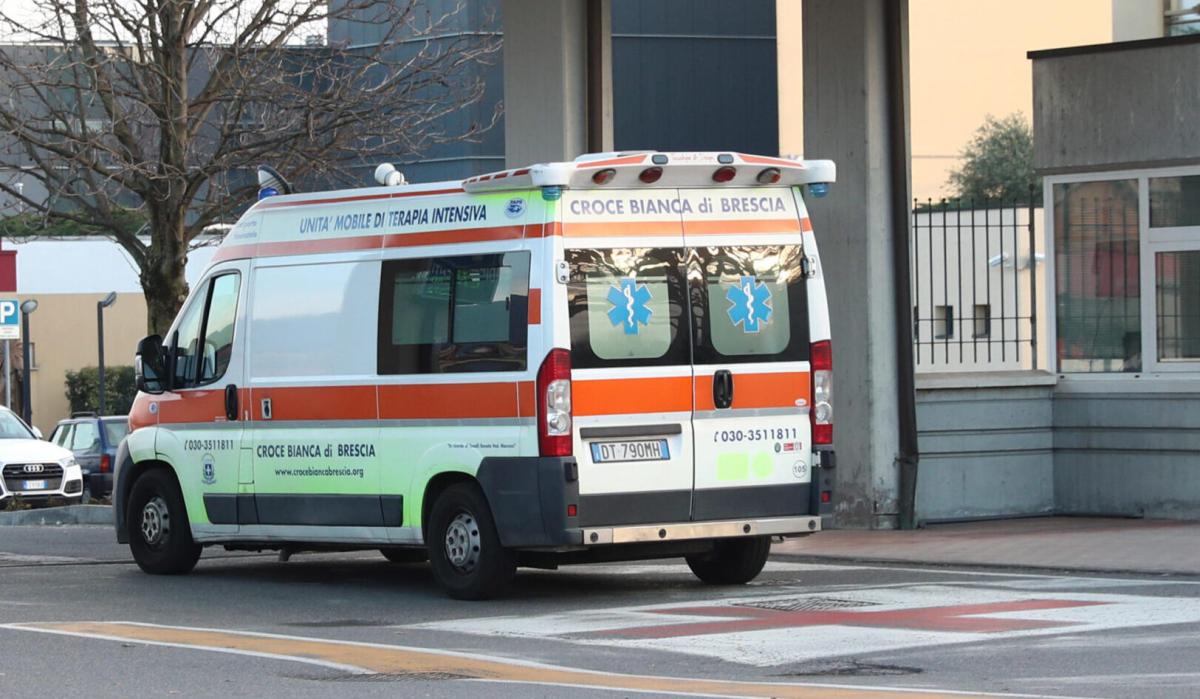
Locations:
94 442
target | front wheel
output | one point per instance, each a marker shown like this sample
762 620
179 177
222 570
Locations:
732 561
160 536
464 546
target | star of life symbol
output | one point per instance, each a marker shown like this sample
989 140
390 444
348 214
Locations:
630 307
751 304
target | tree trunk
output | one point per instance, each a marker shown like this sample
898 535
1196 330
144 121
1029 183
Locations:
163 281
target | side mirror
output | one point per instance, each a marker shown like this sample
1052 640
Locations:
37 433
149 367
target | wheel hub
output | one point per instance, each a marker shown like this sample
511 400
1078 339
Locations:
156 521
462 542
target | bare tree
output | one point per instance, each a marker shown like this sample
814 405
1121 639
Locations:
144 120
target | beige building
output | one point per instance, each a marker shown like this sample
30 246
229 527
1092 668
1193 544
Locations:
63 333
967 60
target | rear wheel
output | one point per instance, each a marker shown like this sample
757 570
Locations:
732 561
464 546
160 536
399 555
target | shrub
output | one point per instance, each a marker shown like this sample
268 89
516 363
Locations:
83 389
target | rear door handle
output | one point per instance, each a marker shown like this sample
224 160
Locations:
722 388
231 402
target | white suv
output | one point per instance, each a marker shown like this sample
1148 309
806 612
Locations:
35 470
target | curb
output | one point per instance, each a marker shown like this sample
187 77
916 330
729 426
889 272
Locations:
68 514
975 565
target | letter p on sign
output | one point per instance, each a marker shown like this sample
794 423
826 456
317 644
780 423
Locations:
10 319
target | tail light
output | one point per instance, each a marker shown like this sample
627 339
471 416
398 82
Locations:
554 404
821 356
724 174
650 175
105 463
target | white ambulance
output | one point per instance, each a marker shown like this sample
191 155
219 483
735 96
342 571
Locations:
626 356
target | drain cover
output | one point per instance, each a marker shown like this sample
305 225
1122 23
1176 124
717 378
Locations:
807 604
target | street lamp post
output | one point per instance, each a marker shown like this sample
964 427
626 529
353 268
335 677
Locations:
100 306
27 307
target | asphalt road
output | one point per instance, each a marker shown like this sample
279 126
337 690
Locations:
78 618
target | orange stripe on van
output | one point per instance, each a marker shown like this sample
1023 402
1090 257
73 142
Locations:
774 390
621 230
761 160
535 306
233 252
806 224
193 405
448 400
316 402
526 399
312 247
462 235
627 160
742 225
671 394
543 230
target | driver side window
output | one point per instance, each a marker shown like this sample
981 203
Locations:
205 339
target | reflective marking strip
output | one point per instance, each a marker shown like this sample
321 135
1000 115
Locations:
535 306
742 225
369 242
371 658
778 390
630 396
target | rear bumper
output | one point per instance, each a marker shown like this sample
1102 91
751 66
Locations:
683 531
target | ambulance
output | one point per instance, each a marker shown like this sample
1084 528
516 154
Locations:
622 357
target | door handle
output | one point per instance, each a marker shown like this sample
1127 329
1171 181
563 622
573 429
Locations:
722 388
231 402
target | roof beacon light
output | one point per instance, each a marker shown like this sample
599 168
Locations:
388 176
604 176
270 182
650 175
724 174
818 189
769 175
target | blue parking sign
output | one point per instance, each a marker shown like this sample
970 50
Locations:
10 319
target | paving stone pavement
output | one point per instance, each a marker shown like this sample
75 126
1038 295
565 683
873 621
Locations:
1066 543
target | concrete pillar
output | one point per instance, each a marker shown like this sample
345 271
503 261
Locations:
846 118
545 79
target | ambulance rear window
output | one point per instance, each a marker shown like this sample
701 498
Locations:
751 304
627 307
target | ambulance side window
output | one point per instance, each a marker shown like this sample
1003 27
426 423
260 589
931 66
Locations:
454 314
206 333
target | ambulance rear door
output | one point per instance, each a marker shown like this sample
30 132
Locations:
630 355
750 351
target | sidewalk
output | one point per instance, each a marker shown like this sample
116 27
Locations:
1064 543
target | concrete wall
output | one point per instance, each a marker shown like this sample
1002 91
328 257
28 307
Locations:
1128 446
1023 444
986 446
1116 106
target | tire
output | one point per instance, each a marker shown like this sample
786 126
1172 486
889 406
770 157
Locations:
732 561
160 536
464 547
399 555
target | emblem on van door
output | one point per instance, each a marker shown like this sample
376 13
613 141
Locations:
514 208
630 305
208 474
751 304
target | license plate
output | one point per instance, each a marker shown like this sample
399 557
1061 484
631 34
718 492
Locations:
35 485
641 450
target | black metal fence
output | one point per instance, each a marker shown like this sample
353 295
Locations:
976 281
